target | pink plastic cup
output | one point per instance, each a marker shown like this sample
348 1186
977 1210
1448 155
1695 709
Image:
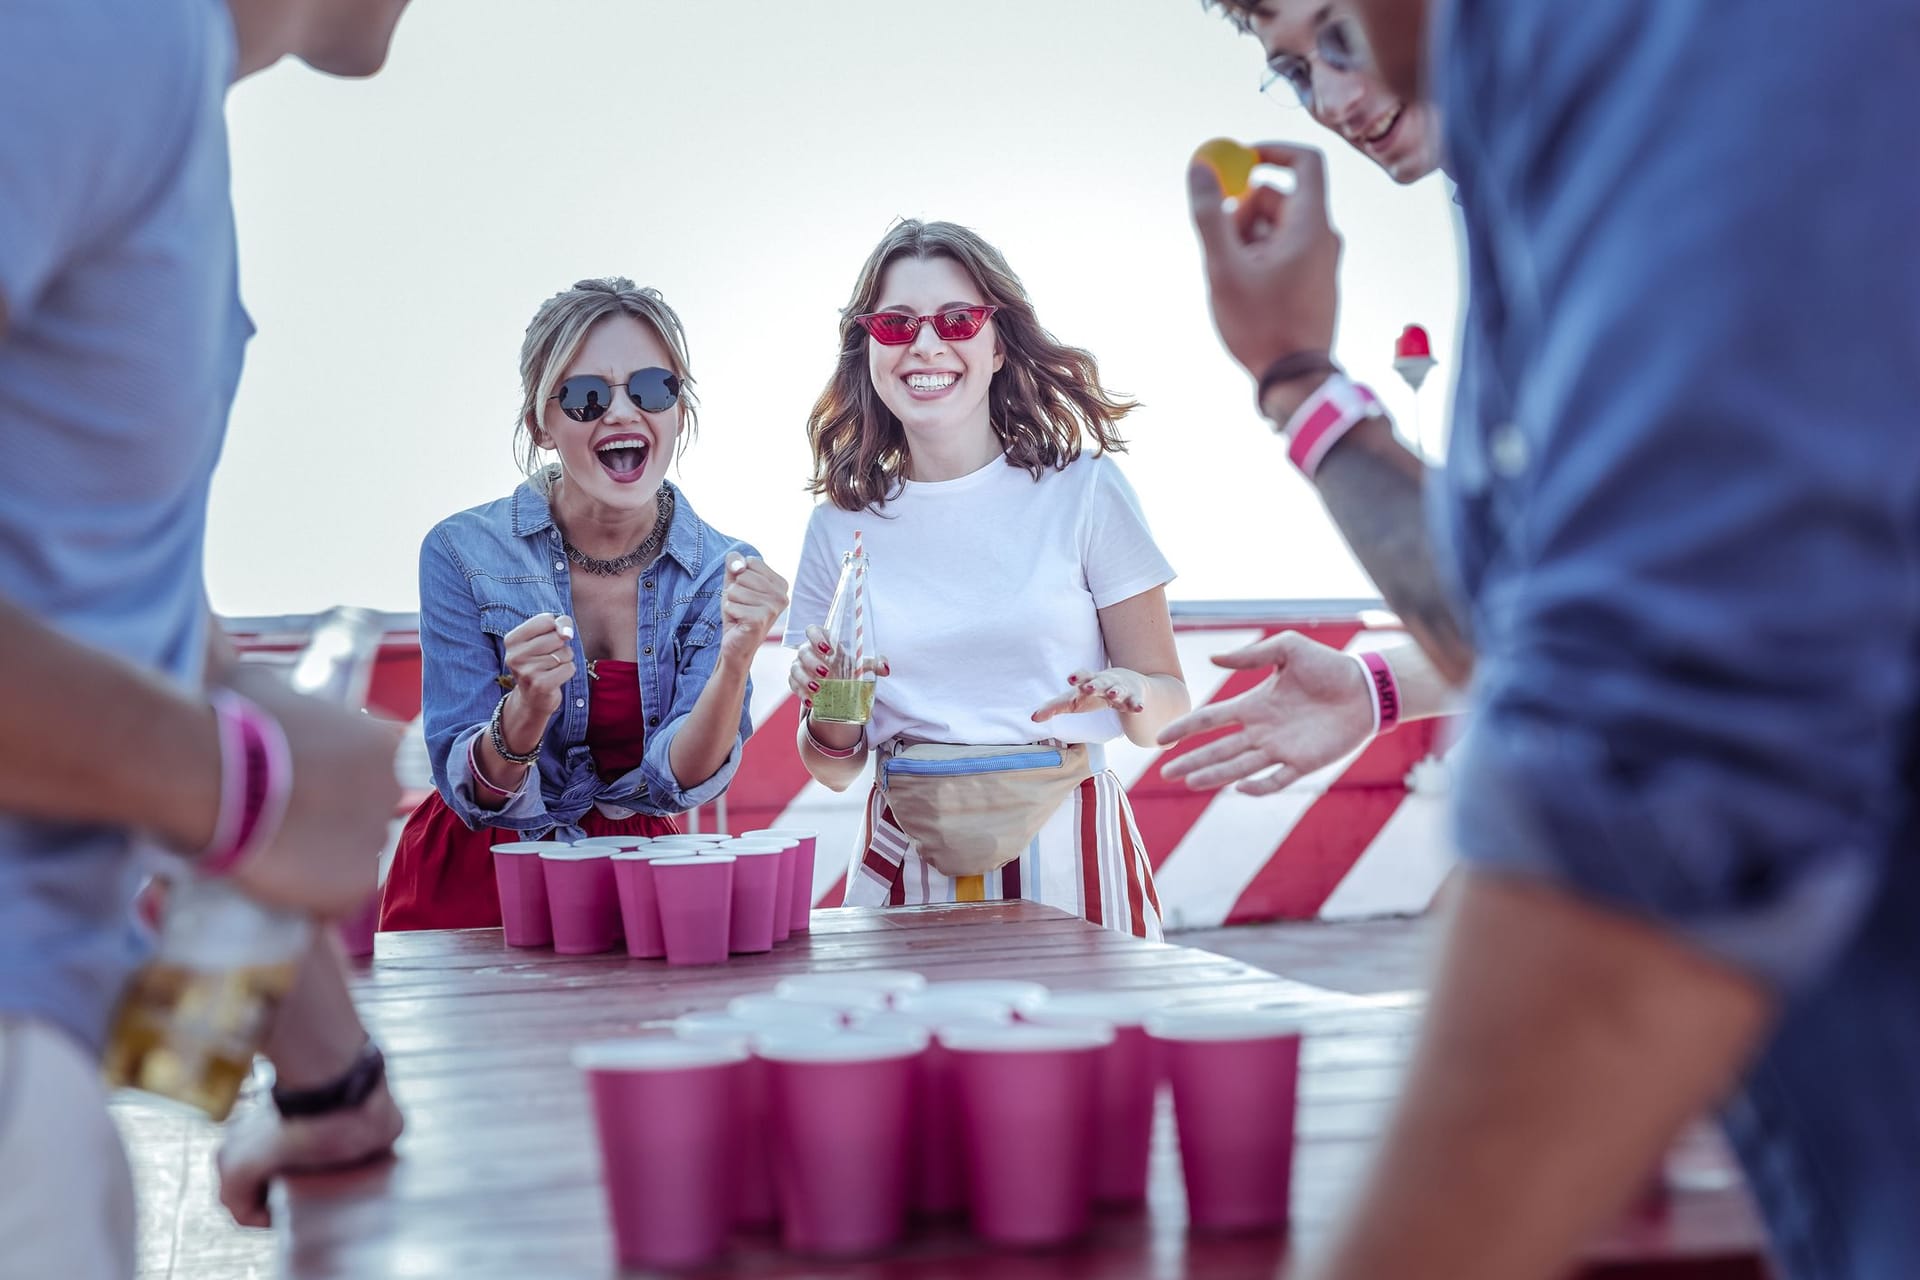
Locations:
1234 1078
842 1111
1028 1107
756 893
522 882
582 899
789 854
667 1111
939 1162
1129 1078
802 901
639 905
755 1203
691 839
695 897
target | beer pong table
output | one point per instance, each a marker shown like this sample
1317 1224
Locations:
498 1173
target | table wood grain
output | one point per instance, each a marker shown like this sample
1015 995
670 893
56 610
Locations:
497 1175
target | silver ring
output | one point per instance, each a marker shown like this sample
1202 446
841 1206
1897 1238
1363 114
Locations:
556 660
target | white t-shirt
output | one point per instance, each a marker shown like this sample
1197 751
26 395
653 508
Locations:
984 592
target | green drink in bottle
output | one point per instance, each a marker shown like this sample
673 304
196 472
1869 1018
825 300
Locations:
845 695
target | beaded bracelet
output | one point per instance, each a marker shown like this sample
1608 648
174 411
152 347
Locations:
256 777
499 739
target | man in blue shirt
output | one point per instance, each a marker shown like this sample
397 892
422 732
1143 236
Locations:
1682 515
121 335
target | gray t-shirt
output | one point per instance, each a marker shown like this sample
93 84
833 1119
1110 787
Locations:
124 341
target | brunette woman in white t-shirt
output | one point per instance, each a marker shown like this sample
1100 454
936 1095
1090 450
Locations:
1015 588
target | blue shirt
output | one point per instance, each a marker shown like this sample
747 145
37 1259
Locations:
485 571
1683 507
123 347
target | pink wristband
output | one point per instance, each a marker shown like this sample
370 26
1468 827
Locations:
1335 408
1383 690
256 777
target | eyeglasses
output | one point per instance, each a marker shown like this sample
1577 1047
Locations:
897 329
586 397
1336 46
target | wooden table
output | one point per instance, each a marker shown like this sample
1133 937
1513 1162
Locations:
497 1175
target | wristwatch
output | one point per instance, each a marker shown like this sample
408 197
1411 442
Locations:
351 1089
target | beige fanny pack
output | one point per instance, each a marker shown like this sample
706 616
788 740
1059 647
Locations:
971 810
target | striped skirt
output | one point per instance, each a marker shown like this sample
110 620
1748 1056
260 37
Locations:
1087 859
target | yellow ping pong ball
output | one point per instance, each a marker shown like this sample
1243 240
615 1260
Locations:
1233 161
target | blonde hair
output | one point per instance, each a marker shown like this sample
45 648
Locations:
556 334
1045 396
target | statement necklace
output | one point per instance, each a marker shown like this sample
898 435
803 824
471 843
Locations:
645 554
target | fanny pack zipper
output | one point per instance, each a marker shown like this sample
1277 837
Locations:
985 764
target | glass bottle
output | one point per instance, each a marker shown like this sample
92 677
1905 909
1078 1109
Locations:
192 1018
845 695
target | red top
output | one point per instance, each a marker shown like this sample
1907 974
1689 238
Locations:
442 873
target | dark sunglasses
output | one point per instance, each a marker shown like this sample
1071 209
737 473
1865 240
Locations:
897 329
587 396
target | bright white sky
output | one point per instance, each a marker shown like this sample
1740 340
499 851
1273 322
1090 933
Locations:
397 235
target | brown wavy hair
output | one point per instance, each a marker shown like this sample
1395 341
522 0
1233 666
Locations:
1044 398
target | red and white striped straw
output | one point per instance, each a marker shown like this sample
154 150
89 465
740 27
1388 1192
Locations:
859 605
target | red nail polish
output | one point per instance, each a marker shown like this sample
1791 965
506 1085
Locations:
820 671
826 648
1073 679
813 686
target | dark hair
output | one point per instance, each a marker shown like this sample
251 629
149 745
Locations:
1240 12
1044 398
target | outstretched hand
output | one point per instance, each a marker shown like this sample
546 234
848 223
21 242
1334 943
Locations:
1312 710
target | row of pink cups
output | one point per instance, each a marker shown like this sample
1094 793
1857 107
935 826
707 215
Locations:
690 899
939 1101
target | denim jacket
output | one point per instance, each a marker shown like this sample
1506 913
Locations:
486 570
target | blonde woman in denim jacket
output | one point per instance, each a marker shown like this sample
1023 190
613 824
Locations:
585 640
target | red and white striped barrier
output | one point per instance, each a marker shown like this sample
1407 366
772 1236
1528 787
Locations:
1363 837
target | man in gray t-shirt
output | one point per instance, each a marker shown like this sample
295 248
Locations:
121 338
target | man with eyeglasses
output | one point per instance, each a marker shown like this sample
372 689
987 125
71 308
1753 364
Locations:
121 336
1682 511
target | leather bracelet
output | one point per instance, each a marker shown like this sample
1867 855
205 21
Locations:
349 1090
499 739
1291 368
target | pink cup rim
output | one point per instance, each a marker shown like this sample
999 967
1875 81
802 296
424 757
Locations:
691 837
1200 1026
573 853
529 846
731 851
1025 1037
697 860
1015 993
612 842
893 1022
643 855
712 1023
1121 1008
785 833
658 1053
845 1046
844 999
891 982
778 1010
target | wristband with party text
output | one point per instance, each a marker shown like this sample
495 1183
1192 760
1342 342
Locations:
1335 408
256 777
1383 691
